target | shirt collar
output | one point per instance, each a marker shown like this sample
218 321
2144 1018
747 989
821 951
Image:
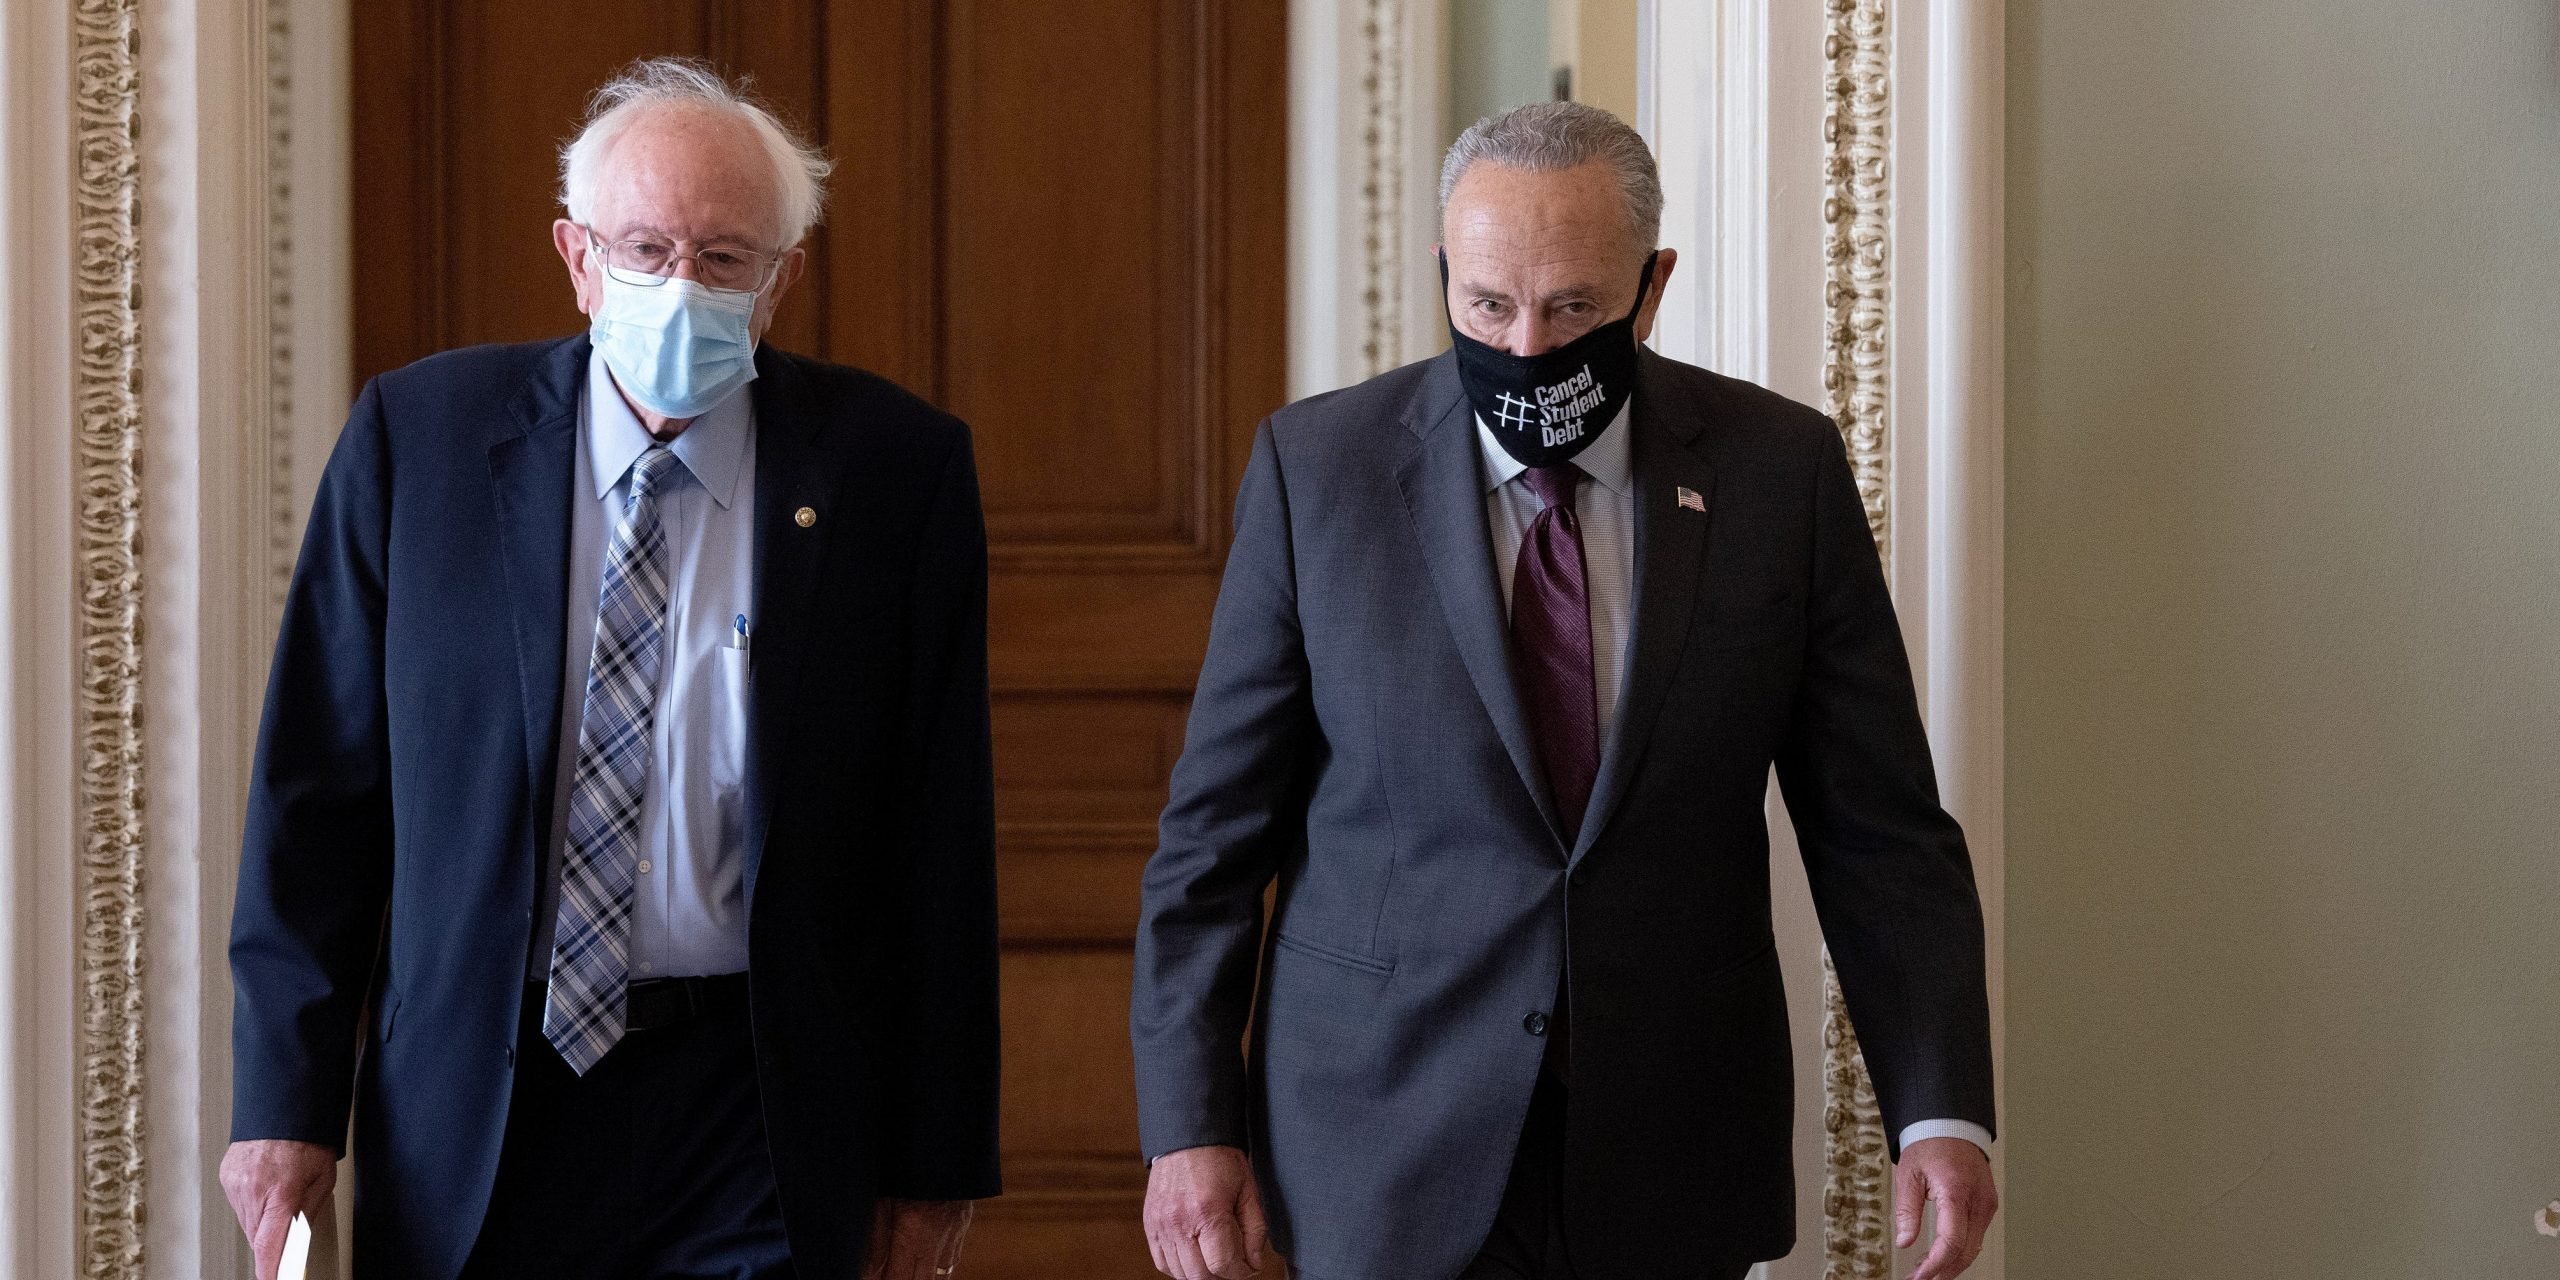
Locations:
1608 460
712 449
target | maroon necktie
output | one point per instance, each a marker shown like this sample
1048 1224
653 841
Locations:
1551 645
1551 652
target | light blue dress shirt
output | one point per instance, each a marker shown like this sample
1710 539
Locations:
689 910
1604 503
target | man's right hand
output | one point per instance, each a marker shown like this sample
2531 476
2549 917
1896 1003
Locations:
268 1180
1204 1215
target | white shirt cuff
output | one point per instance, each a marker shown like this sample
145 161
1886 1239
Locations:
1923 1130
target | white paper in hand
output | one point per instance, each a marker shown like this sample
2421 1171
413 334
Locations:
297 1250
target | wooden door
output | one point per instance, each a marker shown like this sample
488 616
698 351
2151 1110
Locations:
1062 222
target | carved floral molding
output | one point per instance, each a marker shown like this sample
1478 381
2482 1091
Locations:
1857 369
284 518
1382 183
107 404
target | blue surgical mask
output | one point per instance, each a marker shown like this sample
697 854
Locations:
677 348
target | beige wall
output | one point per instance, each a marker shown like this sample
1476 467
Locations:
2284 638
1601 35
1499 58
1503 53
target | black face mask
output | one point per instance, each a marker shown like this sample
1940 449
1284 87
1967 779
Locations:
1543 409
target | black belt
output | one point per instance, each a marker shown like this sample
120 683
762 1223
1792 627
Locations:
664 1002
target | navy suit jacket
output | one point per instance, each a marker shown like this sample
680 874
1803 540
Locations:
402 794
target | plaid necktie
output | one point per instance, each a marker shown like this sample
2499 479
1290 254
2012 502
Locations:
584 1015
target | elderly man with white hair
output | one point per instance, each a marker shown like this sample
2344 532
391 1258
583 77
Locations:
1509 642
621 844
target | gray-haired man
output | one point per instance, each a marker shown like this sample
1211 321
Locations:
626 760
1508 644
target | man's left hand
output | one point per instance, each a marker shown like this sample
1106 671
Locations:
916 1239
1956 1176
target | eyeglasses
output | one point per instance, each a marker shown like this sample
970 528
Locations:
647 262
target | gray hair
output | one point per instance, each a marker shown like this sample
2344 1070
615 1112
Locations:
1543 137
800 170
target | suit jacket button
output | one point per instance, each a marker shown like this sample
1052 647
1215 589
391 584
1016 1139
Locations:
1580 877
1535 1024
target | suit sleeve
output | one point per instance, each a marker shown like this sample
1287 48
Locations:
315 859
944 1144
1892 881
1236 804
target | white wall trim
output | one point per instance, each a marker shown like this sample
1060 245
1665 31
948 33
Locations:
1948 473
321 309
1710 84
314 226
209 330
39 1167
1731 96
1365 106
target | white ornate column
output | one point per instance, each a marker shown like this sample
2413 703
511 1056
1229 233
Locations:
41 1198
1832 171
1365 128
1948 81
139 542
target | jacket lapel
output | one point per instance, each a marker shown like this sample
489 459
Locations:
1671 547
529 469
791 476
1443 486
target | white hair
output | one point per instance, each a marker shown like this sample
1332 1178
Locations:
800 170
1543 137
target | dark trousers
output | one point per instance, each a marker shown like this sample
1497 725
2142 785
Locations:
1527 1242
653 1164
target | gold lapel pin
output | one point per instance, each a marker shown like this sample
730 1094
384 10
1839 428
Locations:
805 517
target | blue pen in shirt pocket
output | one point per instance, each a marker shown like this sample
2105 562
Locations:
738 638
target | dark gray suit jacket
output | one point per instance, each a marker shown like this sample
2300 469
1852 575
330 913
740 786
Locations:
1356 737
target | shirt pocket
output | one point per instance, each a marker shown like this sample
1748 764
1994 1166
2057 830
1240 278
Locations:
730 704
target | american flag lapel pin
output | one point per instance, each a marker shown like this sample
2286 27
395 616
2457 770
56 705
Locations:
1689 498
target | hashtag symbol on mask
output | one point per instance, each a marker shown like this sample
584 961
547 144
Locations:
1513 412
